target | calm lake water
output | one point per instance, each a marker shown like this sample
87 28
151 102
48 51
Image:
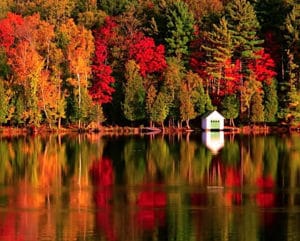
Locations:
171 188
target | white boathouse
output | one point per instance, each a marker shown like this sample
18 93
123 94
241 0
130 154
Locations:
212 121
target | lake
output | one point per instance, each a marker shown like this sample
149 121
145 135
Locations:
196 186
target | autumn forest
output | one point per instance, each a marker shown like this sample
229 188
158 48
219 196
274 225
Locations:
145 62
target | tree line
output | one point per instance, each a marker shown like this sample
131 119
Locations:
148 61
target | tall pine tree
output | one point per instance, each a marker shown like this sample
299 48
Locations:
244 28
218 51
180 29
290 86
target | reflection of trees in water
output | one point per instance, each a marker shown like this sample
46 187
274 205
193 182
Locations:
102 175
39 168
53 173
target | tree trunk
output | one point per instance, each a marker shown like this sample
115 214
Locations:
79 99
59 123
179 124
188 123
231 122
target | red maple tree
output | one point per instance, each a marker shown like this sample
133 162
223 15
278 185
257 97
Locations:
198 58
232 78
8 27
102 90
263 67
148 56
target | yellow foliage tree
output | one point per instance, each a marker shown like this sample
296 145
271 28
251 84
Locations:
79 50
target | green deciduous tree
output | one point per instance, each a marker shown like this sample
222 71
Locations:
230 108
157 105
134 99
150 99
189 97
257 108
4 67
270 101
172 80
160 108
5 96
19 110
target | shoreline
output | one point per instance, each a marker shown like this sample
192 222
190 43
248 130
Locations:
126 130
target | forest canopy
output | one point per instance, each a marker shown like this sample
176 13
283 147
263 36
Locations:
148 61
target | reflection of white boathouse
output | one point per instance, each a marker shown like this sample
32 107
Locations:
213 140
212 121
213 136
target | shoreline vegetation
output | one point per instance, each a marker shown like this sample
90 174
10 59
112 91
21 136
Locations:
142 130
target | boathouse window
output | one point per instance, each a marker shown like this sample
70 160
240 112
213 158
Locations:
215 124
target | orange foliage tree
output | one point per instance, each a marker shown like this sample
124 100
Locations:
78 52
30 49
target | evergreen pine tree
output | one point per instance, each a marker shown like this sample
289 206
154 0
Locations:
114 7
265 9
244 28
202 100
270 101
289 87
180 29
218 51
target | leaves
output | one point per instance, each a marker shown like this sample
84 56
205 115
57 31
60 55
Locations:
263 67
147 55
221 41
134 100
180 29
101 90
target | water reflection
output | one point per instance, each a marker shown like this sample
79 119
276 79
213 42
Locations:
214 140
173 187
